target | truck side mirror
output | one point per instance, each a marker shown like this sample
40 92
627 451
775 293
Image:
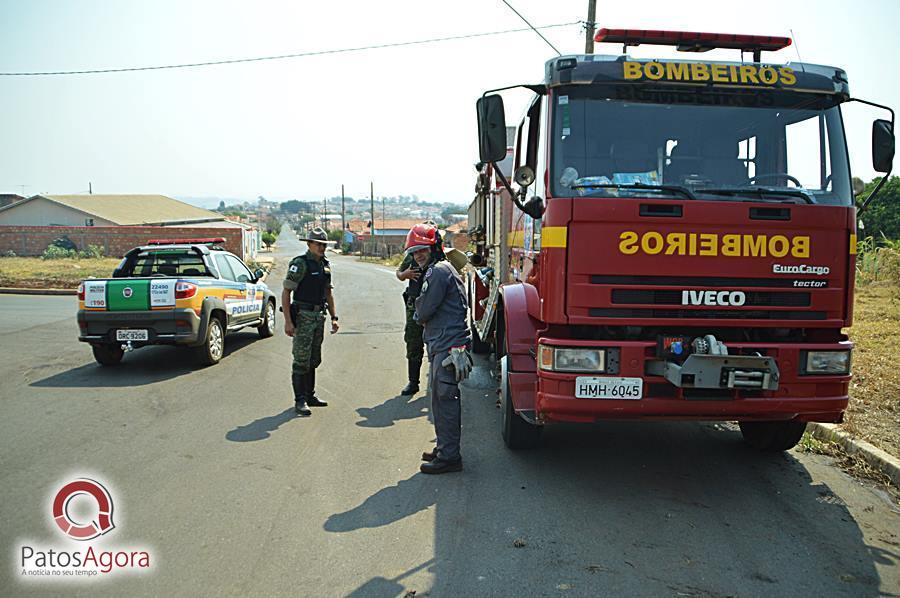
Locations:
534 207
882 145
491 128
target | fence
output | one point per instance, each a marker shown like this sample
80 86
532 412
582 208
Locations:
376 250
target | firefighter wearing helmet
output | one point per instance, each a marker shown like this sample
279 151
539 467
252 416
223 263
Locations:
409 270
441 310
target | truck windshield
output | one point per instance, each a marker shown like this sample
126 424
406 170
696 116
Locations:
606 147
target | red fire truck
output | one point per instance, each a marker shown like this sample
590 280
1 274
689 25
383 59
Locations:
678 241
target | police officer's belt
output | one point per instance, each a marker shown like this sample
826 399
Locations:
300 305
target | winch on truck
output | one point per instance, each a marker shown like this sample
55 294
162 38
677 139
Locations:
680 243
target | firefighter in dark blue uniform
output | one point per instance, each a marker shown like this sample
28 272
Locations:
441 310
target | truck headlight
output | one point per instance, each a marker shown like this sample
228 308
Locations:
826 362
557 359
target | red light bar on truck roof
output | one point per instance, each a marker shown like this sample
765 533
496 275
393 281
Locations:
693 41
203 241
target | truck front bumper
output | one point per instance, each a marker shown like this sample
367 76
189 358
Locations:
821 398
164 327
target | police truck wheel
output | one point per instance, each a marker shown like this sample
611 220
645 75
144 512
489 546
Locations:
210 353
108 354
773 436
517 433
267 328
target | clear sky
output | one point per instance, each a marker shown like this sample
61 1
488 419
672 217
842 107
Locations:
299 128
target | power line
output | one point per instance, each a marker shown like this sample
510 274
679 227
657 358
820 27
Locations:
286 56
535 29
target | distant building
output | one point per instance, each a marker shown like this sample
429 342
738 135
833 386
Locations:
103 210
7 199
104 220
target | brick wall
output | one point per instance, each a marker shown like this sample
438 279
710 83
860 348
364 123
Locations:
115 240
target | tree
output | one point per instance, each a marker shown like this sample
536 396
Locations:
882 217
291 207
268 239
221 205
336 235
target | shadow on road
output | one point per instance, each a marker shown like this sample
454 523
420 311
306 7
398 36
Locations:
624 508
261 428
146 365
386 506
393 410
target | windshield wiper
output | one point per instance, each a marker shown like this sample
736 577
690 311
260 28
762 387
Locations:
683 191
758 191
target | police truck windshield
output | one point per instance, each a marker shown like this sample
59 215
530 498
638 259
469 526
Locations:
743 148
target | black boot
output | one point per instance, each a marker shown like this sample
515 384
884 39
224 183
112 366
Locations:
298 381
311 399
413 367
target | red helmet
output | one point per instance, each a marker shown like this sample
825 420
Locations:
421 236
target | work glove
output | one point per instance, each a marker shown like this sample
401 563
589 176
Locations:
461 361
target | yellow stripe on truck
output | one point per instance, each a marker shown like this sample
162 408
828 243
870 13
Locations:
553 236
853 244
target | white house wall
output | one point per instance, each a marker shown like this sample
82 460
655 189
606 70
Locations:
42 212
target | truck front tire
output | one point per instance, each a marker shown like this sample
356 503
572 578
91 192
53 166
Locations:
211 351
517 433
267 328
773 436
108 354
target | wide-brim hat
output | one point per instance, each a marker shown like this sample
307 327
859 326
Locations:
319 236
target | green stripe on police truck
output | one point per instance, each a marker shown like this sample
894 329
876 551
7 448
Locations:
131 295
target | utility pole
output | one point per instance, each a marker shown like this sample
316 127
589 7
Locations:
325 213
343 217
382 213
372 212
589 27
90 188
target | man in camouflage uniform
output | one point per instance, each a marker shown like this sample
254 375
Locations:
309 278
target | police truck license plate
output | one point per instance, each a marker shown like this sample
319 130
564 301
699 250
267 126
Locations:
132 335
608 387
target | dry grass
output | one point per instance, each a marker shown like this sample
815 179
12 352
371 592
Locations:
853 464
874 410
35 273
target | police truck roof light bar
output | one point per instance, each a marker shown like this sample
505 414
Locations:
694 41
203 241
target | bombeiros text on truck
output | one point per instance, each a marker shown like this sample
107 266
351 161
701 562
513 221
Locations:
678 242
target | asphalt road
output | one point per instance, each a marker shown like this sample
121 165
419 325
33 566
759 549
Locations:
232 495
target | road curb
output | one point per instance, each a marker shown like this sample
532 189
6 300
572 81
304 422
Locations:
27 291
874 456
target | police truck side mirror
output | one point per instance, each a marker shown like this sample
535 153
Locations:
882 145
491 128
259 273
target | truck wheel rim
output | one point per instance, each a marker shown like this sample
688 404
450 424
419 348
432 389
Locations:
215 342
270 317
